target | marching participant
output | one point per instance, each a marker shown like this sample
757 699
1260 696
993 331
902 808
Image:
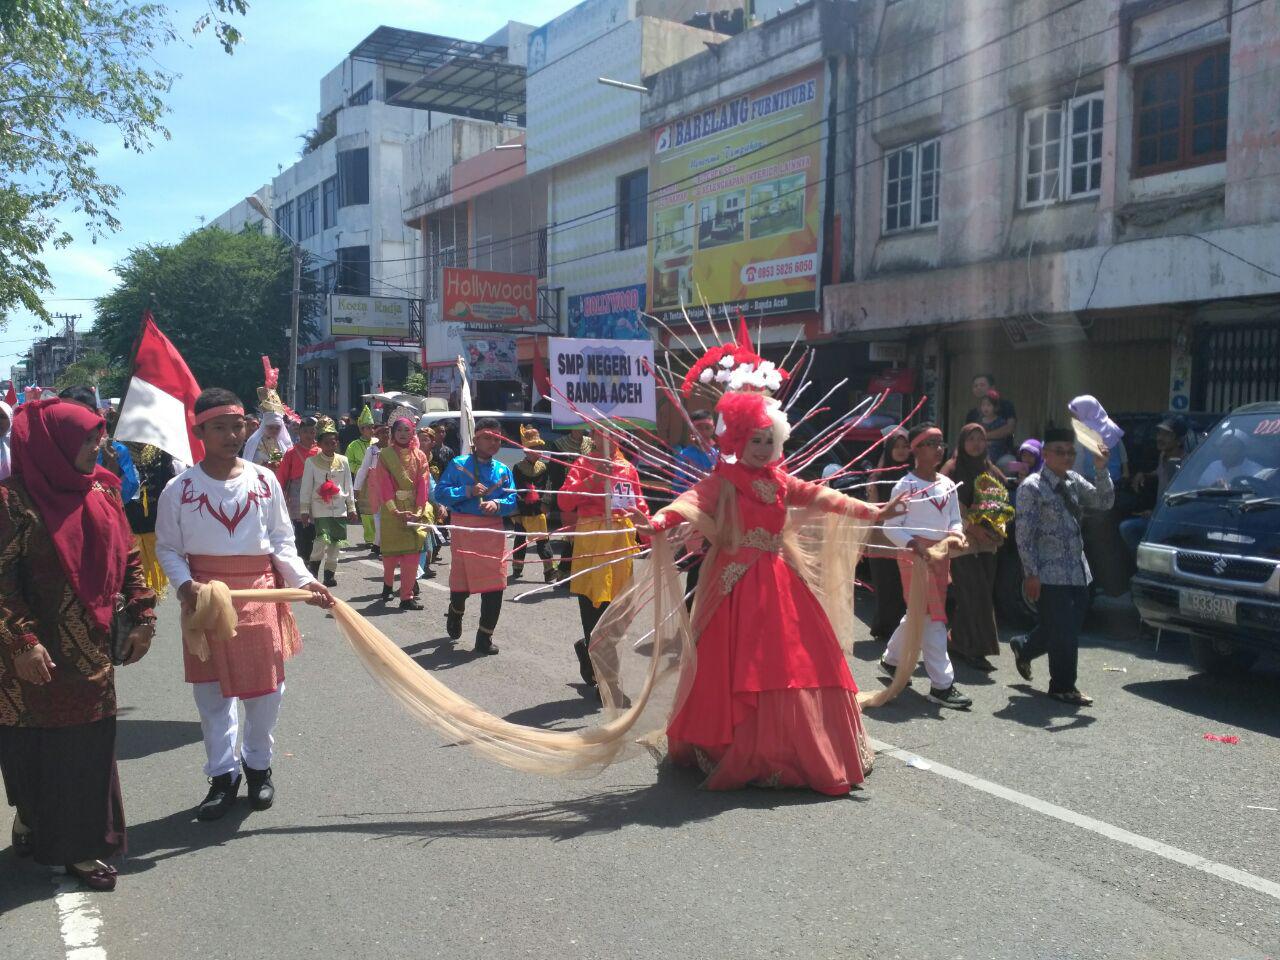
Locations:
532 487
327 500
354 453
478 491
225 519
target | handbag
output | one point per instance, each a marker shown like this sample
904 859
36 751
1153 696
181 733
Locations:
121 627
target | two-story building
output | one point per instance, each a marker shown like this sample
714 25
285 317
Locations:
1074 198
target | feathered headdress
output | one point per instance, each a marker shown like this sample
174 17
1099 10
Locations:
735 366
268 400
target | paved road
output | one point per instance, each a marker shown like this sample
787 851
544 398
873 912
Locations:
385 842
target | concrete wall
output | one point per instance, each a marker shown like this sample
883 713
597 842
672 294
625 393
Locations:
570 114
344 80
428 160
583 252
241 214
988 254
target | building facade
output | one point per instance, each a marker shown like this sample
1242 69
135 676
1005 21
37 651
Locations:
1100 215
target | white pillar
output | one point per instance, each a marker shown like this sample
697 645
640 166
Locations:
345 400
375 369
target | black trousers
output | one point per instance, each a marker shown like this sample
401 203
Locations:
886 581
304 538
543 547
1061 615
590 615
490 607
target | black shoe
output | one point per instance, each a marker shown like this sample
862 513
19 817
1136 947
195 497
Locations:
220 798
314 567
375 551
262 793
411 604
329 579
484 644
517 571
585 667
550 576
387 593
1020 662
453 623
887 667
21 843
950 697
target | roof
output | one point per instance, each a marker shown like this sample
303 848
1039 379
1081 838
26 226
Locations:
460 77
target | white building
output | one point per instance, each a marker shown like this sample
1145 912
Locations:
342 202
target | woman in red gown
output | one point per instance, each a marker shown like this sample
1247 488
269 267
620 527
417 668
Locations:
772 700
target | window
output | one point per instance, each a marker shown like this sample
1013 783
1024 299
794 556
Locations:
353 177
361 96
1180 112
912 186
482 258
284 221
353 271
308 215
633 210
392 87
333 387
328 278
329 202
1062 151
311 388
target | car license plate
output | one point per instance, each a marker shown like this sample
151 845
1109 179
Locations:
1207 606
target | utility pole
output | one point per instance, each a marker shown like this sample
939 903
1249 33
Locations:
69 331
294 309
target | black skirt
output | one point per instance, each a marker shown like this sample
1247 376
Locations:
63 781
973 621
890 605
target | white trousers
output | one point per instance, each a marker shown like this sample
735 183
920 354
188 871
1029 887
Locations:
326 552
934 649
219 721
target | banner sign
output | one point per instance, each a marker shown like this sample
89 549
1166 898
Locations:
609 315
735 215
605 379
479 297
491 358
368 316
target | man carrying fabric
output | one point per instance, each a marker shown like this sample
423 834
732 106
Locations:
1052 550
479 491
354 453
225 519
328 501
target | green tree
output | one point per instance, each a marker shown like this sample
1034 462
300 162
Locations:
93 370
222 298
67 69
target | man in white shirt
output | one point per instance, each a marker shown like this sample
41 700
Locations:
226 519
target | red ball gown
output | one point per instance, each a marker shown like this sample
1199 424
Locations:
772 701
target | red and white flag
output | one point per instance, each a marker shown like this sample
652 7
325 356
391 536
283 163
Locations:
158 407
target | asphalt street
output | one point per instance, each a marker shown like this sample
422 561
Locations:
1022 829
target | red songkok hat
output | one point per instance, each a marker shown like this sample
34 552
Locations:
741 415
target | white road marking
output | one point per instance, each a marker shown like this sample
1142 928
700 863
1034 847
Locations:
78 920
1196 862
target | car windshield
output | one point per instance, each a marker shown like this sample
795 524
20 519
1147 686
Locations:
1240 457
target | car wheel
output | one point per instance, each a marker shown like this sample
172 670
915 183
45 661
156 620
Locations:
1216 656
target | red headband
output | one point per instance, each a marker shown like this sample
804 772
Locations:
228 410
929 434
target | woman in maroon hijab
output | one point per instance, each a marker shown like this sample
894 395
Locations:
66 554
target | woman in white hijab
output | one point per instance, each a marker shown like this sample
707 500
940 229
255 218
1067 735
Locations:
6 422
270 442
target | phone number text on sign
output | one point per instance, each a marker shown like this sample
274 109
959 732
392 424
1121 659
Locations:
769 270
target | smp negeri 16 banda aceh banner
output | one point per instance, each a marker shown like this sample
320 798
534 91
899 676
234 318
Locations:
602 380
735 204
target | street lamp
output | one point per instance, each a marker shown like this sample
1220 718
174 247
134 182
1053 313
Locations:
295 300
624 85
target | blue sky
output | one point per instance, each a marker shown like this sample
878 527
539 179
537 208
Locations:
234 120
